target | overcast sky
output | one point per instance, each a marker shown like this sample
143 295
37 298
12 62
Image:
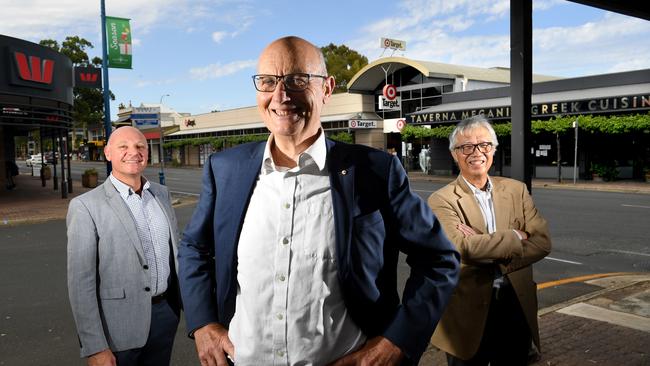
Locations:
203 52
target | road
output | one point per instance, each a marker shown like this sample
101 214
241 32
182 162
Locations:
593 232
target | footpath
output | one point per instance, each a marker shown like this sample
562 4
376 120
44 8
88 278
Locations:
607 326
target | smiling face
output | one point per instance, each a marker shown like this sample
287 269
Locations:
287 114
474 167
127 152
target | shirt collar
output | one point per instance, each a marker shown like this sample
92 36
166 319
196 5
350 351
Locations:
488 187
124 189
316 153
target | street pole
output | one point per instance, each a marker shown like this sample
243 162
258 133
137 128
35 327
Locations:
107 102
575 152
161 175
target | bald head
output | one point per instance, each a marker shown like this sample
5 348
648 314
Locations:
119 133
294 51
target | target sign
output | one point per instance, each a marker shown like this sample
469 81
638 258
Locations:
400 124
390 91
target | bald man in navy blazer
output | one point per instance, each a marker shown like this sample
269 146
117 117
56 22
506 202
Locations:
366 213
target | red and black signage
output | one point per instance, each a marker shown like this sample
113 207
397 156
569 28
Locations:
88 77
29 69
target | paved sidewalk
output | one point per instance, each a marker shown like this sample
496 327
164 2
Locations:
29 202
608 327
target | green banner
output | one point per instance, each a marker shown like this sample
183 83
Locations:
118 37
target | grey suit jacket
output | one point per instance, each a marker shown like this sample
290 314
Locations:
106 273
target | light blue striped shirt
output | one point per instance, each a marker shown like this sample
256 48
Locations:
153 231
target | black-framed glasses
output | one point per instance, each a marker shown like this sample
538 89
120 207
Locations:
292 82
468 149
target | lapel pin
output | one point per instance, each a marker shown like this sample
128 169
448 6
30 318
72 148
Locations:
344 172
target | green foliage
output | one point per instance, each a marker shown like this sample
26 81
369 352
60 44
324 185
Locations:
607 171
342 137
217 143
90 171
88 103
342 63
562 124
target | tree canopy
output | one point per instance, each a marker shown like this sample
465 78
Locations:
88 107
343 63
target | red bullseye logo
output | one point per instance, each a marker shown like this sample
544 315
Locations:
390 91
400 124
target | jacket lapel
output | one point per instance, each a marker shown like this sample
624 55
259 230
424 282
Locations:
468 205
502 206
125 217
342 184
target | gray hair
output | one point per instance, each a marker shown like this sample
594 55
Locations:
469 124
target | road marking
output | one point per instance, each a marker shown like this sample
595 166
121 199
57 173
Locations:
562 260
638 206
422 191
564 281
187 193
628 252
609 316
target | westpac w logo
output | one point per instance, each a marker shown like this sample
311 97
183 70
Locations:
88 77
34 68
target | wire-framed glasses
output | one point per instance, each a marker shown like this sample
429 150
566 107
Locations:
292 82
468 149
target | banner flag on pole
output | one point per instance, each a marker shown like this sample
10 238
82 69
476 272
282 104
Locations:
118 37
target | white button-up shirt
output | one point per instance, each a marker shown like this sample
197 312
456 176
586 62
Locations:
289 307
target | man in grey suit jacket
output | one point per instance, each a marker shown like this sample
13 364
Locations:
122 283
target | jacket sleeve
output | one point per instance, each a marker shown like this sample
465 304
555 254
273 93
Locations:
82 278
538 244
503 246
434 267
196 274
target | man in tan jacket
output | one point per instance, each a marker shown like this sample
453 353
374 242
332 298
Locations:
492 315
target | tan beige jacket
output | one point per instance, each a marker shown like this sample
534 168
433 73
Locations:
461 327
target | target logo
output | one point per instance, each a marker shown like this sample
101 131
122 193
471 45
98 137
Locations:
390 91
353 124
400 124
386 42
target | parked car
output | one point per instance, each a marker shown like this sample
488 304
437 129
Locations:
33 160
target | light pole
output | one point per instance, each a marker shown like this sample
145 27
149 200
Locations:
161 175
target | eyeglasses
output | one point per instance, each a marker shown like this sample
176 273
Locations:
292 82
468 149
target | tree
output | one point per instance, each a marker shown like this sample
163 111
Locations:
342 63
88 109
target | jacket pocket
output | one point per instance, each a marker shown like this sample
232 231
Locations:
112 293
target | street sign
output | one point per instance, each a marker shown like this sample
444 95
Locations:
145 117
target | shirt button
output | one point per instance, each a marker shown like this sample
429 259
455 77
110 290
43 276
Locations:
145 266
286 205
285 241
147 289
280 353
279 316
281 277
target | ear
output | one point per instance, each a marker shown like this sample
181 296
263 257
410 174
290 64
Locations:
328 88
107 153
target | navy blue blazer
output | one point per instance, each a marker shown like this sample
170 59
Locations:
376 216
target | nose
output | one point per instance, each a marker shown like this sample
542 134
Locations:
280 93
